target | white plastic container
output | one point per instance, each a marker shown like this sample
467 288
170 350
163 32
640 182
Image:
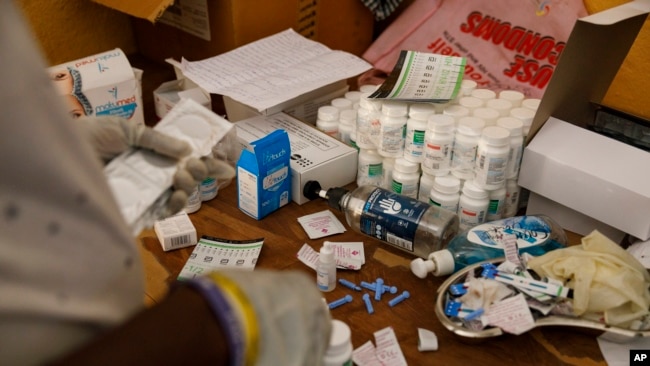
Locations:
326 269
445 192
416 126
406 178
492 157
472 206
339 351
467 86
341 103
497 204
513 96
392 129
439 142
470 102
347 122
489 115
424 188
466 139
456 111
516 127
328 120
531 103
526 116
369 168
503 106
512 198
388 165
483 94
367 116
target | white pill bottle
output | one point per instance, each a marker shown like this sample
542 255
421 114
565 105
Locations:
339 352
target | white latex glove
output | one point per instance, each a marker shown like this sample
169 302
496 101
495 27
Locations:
111 136
293 323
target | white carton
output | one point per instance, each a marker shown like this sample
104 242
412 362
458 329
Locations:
315 155
102 84
577 169
169 93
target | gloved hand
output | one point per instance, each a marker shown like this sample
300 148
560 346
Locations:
111 136
282 317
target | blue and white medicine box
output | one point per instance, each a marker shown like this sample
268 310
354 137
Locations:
264 175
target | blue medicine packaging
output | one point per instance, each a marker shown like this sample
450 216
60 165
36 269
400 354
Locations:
264 175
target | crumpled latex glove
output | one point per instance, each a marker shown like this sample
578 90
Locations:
605 278
111 136
293 322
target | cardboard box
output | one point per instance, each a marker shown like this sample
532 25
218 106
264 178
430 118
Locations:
568 164
303 107
315 155
104 84
198 29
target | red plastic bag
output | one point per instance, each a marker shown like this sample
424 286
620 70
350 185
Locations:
508 44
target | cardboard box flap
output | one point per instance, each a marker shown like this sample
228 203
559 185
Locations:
597 47
145 9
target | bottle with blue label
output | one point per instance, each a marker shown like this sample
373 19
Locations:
536 235
402 222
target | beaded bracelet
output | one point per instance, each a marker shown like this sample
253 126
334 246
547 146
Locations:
225 314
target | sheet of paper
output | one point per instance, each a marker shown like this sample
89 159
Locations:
273 70
211 254
423 77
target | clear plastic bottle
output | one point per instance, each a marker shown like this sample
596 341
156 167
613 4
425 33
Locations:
339 351
416 126
406 178
404 223
536 235
392 129
326 269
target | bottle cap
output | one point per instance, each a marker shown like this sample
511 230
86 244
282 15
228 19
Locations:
447 184
368 88
466 86
421 267
531 103
421 111
456 111
470 102
353 96
470 189
489 115
483 94
515 97
495 135
326 254
405 166
441 123
503 106
341 103
443 262
328 113
348 116
394 109
514 125
471 126
525 115
340 339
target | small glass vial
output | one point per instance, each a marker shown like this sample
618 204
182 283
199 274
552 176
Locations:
445 192
416 126
326 269
208 189
513 96
515 126
339 351
439 142
347 122
406 178
328 120
472 206
466 139
497 204
424 188
388 165
369 168
492 157
194 201
392 129
489 115
512 198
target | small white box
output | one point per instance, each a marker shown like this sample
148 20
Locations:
169 93
315 155
176 232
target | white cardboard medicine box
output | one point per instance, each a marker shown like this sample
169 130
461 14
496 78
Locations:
574 173
315 155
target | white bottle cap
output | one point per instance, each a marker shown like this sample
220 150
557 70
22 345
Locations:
421 111
394 109
515 97
447 184
466 86
353 96
456 111
405 166
328 113
440 263
531 103
341 103
470 189
470 102
340 345
525 115
369 103
368 88
483 94
326 254
503 106
489 115
514 125
470 125
495 135
441 123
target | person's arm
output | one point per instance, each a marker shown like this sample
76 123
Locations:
180 330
